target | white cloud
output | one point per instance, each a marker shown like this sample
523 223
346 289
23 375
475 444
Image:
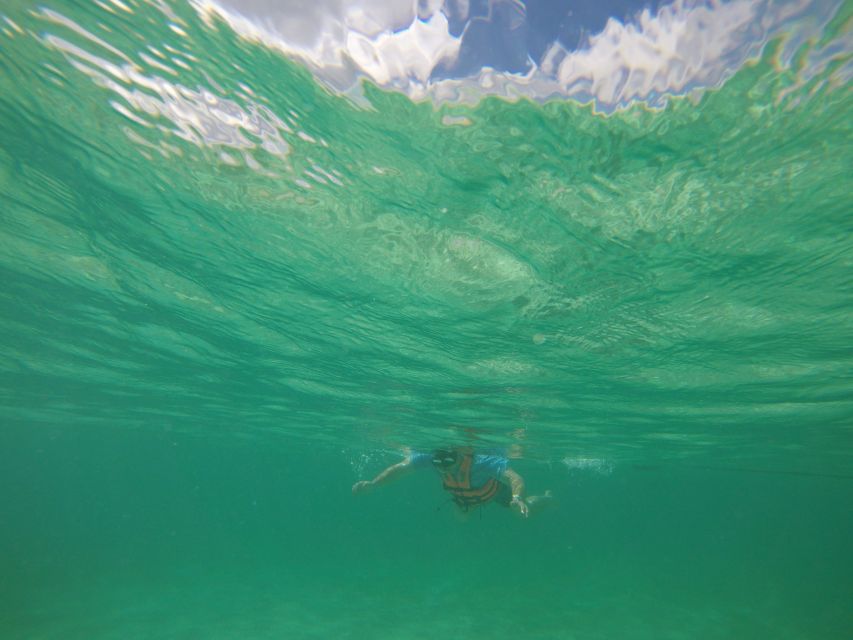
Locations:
682 47
392 42
659 54
407 55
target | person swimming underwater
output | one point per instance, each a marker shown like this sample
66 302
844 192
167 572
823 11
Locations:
472 479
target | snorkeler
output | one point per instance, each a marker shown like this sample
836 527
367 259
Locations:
472 480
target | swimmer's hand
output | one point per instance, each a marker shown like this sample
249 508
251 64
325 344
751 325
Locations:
362 486
519 505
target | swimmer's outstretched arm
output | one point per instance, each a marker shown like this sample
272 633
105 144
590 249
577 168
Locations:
391 473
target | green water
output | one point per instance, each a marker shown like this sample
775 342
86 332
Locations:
228 294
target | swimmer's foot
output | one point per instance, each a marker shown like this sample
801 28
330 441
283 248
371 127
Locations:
532 500
538 502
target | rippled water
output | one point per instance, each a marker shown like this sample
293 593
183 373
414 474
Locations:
205 248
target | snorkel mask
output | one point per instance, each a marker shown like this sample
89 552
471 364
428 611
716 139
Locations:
444 458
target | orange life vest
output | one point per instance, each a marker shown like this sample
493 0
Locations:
459 485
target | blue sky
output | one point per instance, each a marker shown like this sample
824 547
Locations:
502 34
612 52
494 42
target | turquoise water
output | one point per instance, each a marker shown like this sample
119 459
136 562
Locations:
229 293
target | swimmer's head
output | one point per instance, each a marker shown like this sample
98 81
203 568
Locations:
444 458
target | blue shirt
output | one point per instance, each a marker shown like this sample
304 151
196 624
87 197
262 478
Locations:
483 467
